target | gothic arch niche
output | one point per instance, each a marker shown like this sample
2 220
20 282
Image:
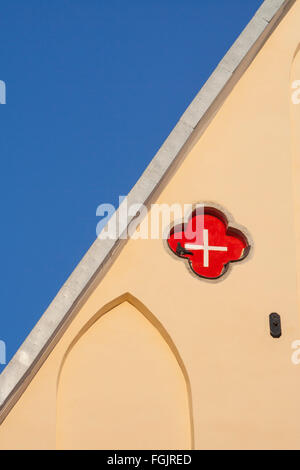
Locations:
294 98
123 385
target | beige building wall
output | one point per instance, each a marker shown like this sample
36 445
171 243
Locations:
157 358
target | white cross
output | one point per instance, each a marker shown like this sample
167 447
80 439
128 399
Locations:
205 247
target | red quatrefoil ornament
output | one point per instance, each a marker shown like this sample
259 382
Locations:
209 242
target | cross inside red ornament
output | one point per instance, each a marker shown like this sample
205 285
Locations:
208 242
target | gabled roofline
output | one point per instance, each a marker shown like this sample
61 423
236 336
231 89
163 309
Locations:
42 339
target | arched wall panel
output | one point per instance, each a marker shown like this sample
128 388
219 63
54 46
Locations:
121 387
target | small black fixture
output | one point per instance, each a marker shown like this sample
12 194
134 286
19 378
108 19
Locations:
275 325
181 251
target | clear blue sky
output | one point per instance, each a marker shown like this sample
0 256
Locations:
93 89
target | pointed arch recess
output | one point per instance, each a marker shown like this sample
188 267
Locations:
294 91
141 308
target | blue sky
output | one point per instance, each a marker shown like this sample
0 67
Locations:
93 89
